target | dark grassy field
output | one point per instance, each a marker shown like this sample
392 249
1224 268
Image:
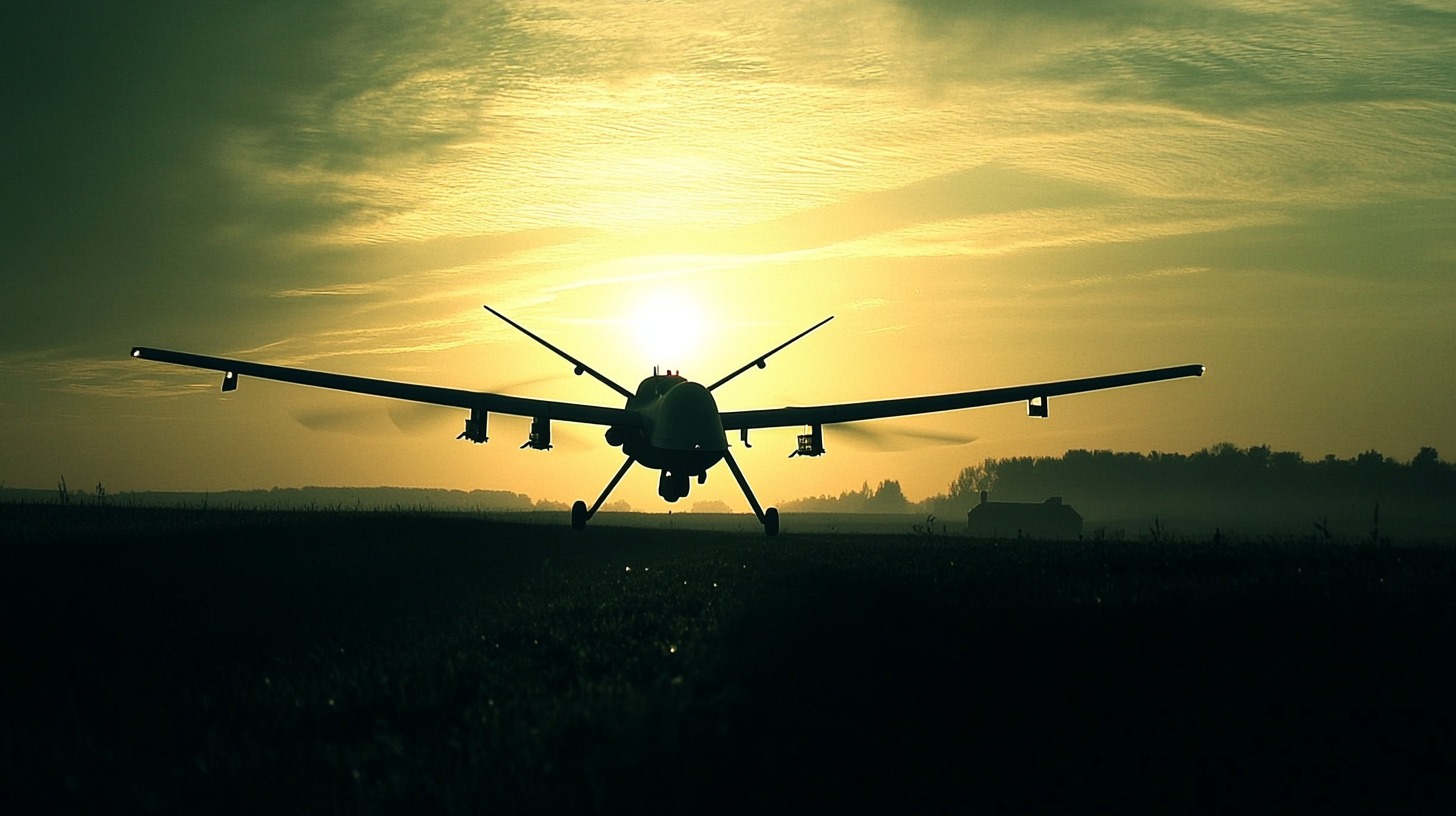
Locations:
204 660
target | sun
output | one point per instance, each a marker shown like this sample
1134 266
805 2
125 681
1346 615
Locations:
668 328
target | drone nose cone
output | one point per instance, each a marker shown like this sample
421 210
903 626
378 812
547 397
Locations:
688 419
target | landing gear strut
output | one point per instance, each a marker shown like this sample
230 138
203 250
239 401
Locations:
672 487
579 512
768 518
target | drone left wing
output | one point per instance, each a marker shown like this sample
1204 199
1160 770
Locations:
432 394
1036 397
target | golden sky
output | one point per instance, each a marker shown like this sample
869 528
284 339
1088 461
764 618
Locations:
985 194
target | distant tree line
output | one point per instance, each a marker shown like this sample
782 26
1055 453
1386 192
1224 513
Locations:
277 498
888 497
1223 485
1223 470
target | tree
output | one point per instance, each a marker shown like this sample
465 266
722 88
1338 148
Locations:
1426 460
972 480
887 498
1260 456
1287 461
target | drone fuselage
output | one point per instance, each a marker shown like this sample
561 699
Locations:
680 433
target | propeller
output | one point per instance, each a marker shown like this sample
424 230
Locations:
421 418
880 436
407 417
418 418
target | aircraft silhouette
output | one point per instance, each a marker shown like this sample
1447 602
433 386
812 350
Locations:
670 423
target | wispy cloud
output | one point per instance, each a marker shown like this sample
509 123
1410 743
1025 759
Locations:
340 290
883 330
58 371
1104 280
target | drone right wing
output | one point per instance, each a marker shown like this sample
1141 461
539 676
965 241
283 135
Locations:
1035 395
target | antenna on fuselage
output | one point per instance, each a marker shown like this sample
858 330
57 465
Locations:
581 368
760 359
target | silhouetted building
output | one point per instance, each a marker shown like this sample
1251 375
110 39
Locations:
1049 520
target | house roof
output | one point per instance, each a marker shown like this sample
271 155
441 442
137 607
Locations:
1049 510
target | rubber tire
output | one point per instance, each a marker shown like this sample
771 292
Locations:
771 521
578 515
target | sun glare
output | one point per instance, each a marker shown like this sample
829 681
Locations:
668 329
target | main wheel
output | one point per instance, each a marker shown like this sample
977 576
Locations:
578 515
771 521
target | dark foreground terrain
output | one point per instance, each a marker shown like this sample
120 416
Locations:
204 660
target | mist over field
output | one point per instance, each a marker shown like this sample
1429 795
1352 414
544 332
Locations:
1223 489
1220 490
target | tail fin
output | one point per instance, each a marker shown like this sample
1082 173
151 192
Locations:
759 360
581 368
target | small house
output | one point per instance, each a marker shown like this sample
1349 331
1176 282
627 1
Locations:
1049 520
